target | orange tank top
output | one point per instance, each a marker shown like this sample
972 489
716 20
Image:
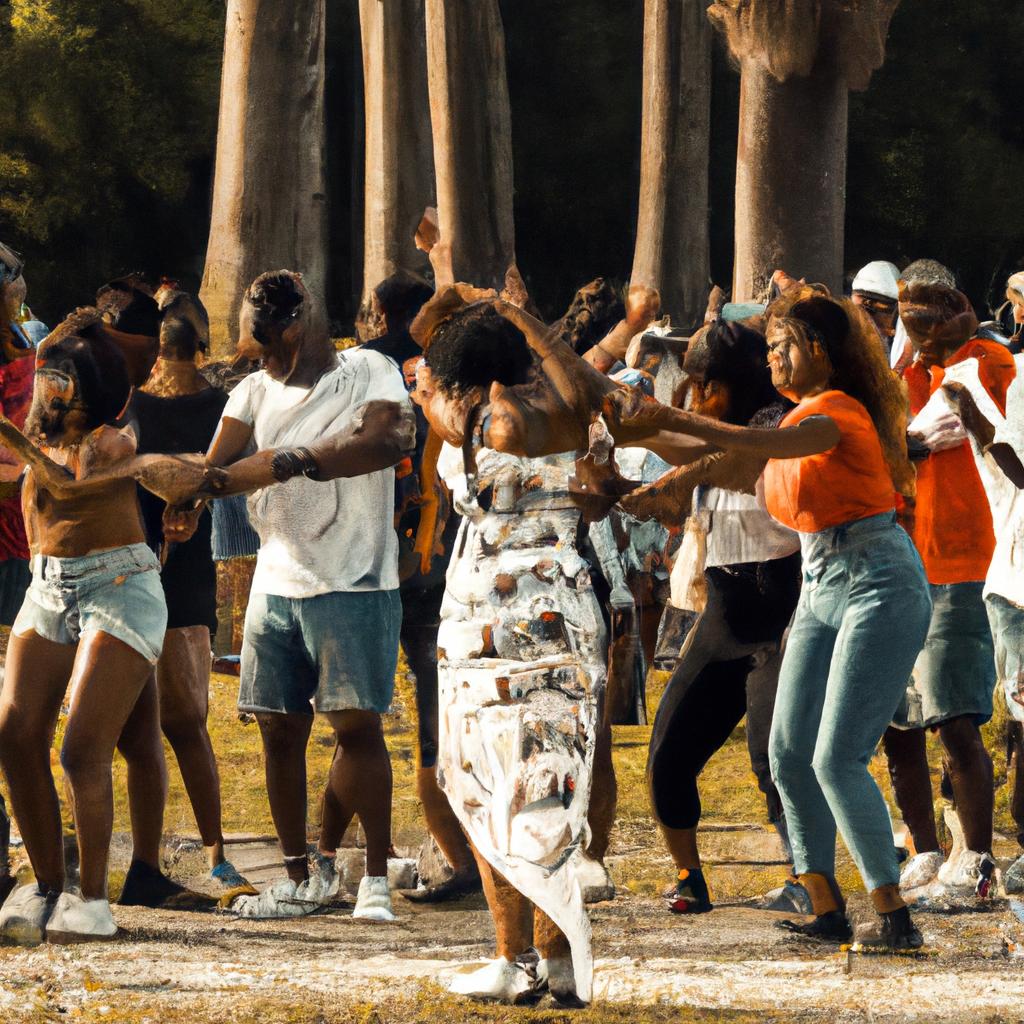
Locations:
850 481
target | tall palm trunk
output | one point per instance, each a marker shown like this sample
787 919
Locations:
790 179
269 201
797 60
672 227
471 121
399 154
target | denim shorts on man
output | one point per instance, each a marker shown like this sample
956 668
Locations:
954 674
1007 621
115 591
331 652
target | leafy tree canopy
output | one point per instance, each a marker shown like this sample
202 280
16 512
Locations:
109 115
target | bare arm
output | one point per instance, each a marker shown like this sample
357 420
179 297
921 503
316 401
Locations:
976 424
380 436
232 438
669 498
642 305
808 437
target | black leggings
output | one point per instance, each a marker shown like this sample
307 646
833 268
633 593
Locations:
728 668
421 619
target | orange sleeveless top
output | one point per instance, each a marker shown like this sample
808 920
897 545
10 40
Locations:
849 481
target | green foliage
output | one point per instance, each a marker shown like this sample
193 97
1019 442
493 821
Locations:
109 118
936 155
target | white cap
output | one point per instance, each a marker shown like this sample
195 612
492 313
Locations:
879 278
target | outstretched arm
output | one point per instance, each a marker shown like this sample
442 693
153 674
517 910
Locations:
669 498
380 436
984 433
642 305
629 411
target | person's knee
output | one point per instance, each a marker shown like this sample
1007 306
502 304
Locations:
786 763
355 729
283 734
962 741
80 757
17 741
183 726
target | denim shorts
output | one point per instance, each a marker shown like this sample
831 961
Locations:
331 652
115 591
955 673
1007 621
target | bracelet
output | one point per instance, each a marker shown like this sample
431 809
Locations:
986 448
292 462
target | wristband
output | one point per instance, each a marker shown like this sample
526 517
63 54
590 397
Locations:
291 462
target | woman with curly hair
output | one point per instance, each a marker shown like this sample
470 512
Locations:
835 464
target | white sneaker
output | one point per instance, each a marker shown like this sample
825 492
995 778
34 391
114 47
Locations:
595 882
1013 877
75 919
373 903
322 885
921 869
24 915
969 872
279 900
500 980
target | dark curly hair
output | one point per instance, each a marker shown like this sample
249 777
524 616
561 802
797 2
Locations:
595 309
276 298
476 347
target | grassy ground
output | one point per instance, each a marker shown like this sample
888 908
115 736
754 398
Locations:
728 789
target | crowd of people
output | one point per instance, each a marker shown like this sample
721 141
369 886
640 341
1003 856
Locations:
808 508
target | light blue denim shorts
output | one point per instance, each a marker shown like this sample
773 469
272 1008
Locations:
1007 621
955 673
331 652
115 591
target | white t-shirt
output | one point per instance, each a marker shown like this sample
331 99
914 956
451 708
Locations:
318 538
1006 573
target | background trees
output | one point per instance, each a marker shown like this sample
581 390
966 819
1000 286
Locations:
108 126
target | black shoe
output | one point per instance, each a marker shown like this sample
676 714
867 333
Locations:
830 927
690 895
465 883
892 932
146 886
7 886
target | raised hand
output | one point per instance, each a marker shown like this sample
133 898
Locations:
642 306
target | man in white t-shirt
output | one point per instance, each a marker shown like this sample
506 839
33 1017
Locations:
321 630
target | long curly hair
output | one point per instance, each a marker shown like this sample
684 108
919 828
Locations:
860 369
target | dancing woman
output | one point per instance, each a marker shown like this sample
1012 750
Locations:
835 465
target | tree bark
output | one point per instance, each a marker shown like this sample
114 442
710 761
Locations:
672 248
471 121
399 155
790 178
269 202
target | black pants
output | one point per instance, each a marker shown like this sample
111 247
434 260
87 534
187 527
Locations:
421 619
728 668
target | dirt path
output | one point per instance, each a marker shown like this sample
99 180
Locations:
199 968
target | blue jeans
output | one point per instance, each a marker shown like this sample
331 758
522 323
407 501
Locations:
861 621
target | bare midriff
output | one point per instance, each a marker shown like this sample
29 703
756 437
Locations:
91 521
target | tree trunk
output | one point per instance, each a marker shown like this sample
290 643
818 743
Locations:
471 121
269 203
399 155
672 227
790 178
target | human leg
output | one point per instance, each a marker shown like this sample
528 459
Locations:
183 678
421 612
970 773
140 745
285 736
360 780
36 677
907 758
